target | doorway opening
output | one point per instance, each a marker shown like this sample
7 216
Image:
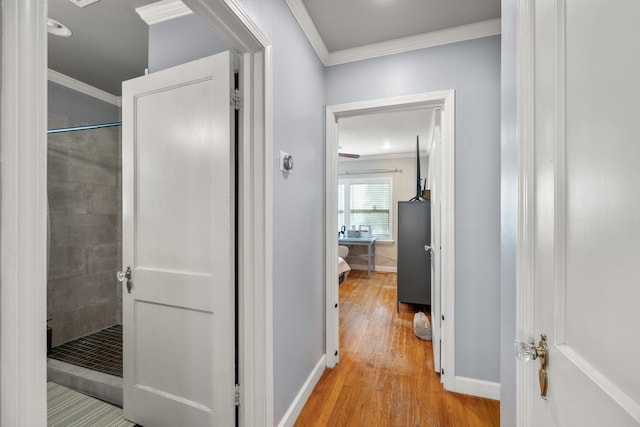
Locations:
24 206
443 303
84 330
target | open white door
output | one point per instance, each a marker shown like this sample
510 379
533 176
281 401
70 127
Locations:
178 240
435 179
580 248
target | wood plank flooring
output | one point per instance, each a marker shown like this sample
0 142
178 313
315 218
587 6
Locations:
385 376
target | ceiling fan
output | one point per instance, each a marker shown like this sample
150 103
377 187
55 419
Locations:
348 155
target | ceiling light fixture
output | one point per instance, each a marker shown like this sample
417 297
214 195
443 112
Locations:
57 29
386 146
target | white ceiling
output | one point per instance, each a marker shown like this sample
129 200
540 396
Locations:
391 133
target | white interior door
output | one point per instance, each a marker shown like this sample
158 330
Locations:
585 248
435 179
178 239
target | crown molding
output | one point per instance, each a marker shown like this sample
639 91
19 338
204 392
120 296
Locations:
404 44
301 14
420 41
162 11
78 86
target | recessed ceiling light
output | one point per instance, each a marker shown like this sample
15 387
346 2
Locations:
57 29
386 146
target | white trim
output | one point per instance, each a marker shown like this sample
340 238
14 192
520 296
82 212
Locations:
161 11
378 268
420 41
446 101
233 24
404 44
332 327
23 268
78 86
23 271
298 403
525 259
479 388
447 241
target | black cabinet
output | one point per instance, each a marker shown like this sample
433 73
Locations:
414 263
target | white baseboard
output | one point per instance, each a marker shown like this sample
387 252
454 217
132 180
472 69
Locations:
298 403
479 388
380 268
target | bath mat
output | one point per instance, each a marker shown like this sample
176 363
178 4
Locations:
68 408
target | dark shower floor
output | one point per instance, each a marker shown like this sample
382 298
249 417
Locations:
100 351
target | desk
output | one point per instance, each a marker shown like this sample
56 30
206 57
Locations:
370 256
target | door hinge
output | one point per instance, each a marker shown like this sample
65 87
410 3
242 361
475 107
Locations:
235 98
237 394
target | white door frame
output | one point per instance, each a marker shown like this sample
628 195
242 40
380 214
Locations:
23 210
23 273
446 101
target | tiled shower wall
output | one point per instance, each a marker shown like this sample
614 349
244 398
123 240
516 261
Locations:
84 188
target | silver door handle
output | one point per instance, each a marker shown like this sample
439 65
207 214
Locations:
125 276
427 248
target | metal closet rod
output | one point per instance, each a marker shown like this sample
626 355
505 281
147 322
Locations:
366 171
87 127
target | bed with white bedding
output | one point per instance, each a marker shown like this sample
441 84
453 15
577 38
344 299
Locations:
343 267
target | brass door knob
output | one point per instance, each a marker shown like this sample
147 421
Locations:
528 351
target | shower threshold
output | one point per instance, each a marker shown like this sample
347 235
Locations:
91 365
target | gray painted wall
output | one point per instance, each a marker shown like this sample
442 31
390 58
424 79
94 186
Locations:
298 247
65 102
182 40
509 220
472 68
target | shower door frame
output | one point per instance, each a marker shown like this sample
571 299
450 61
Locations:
23 210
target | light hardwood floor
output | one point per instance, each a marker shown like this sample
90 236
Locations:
385 376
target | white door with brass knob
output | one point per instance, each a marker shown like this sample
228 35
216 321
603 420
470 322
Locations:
178 240
579 213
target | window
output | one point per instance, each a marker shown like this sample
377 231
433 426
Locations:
366 202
